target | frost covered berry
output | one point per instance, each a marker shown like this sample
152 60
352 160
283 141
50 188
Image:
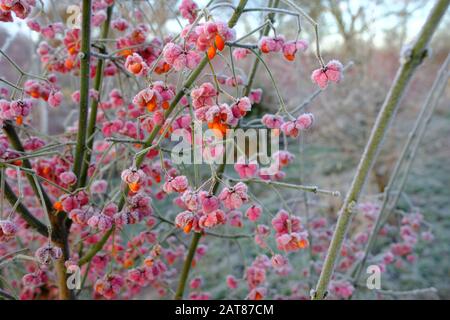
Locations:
81 216
120 24
253 213
99 186
212 219
278 261
109 286
208 202
283 222
148 98
241 107
290 129
246 170
203 97
232 282
185 220
196 283
289 232
134 178
292 241
305 121
341 289
190 200
235 219
126 217
55 99
283 158
234 197
177 184
68 178
293 128
16 110
188 10
271 44
256 95
34 279
290 48
179 58
101 222
240 53
272 121
136 65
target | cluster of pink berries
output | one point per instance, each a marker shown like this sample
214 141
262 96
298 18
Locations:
8 230
218 116
188 10
333 71
208 37
290 234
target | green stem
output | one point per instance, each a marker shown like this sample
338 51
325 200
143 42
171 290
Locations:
417 54
96 248
85 57
98 81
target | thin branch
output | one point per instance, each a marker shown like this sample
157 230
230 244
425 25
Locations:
414 292
313 189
